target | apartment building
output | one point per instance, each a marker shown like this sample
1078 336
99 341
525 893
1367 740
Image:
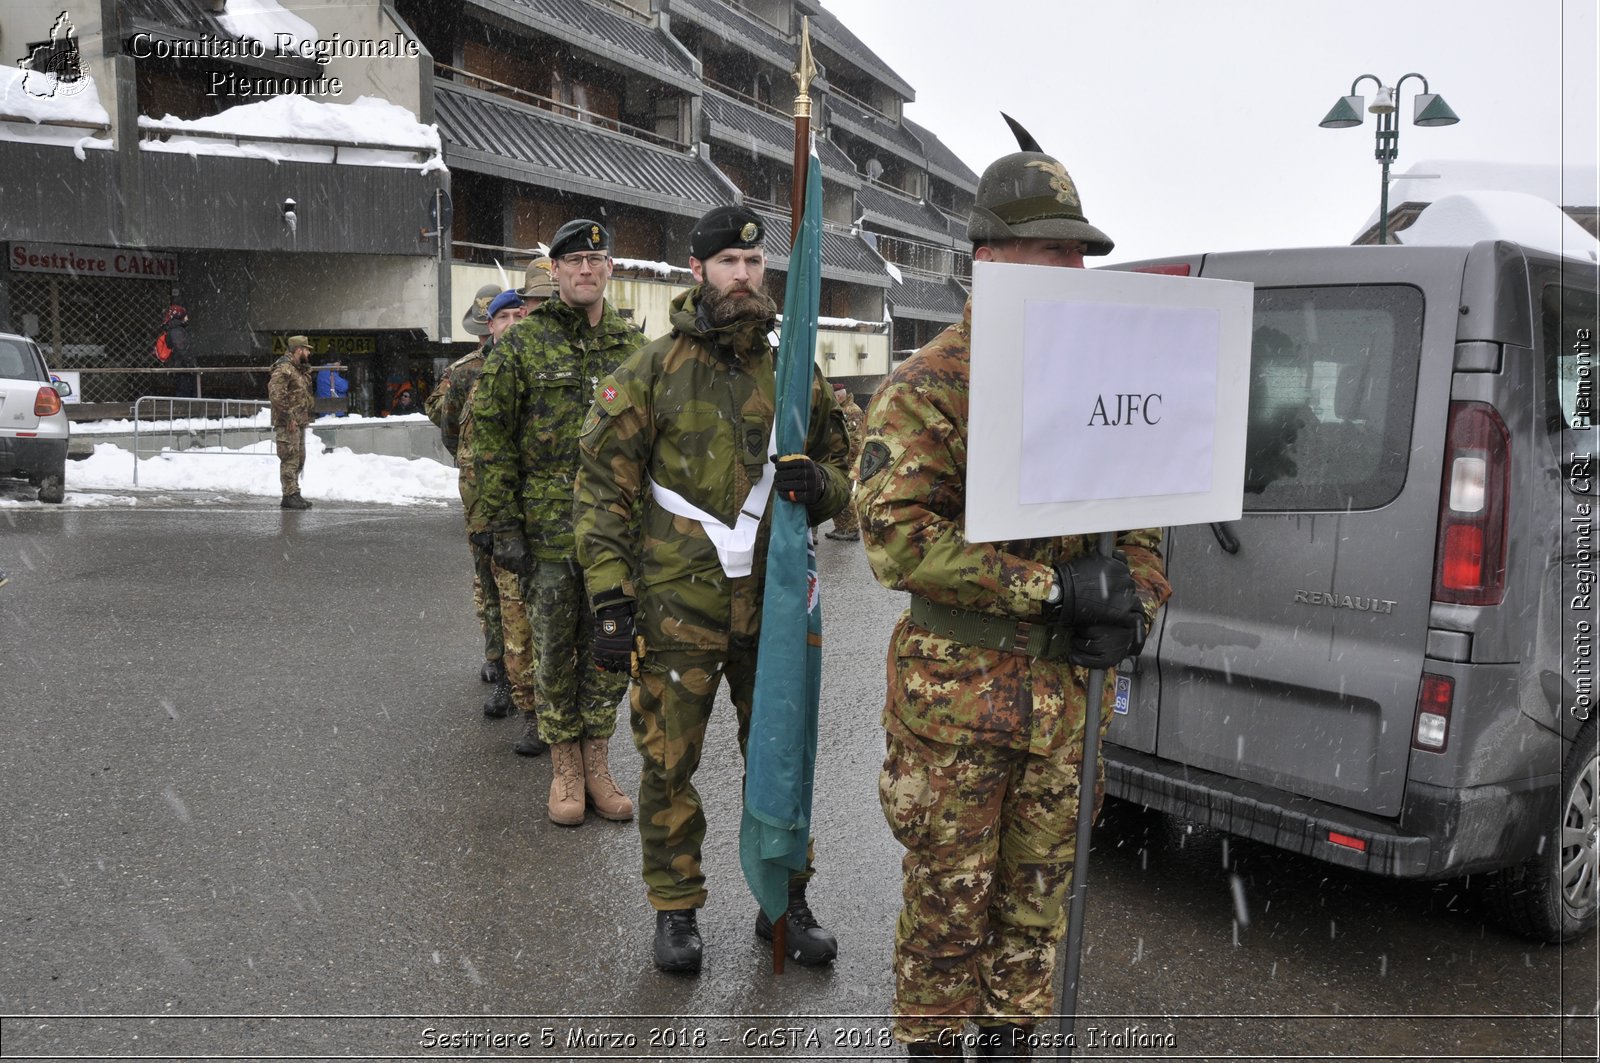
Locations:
428 147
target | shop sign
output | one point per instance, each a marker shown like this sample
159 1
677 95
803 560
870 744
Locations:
82 260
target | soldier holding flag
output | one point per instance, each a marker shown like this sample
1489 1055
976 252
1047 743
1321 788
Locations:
987 694
683 434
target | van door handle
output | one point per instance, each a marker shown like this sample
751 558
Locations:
1225 537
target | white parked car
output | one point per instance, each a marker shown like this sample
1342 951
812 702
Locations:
33 426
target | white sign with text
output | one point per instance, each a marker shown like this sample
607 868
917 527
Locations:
1104 400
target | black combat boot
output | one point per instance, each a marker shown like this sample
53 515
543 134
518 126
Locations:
678 945
530 744
499 701
294 501
805 941
1006 1041
935 1049
492 671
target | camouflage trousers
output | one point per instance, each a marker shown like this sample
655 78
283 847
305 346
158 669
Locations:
669 706
516 641
847 521
990 838
291 445
486 600
576 700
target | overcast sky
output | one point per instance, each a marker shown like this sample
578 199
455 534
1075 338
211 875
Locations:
1191 125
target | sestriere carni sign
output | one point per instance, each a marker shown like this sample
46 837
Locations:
79 260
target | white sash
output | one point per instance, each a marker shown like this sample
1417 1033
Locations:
736 546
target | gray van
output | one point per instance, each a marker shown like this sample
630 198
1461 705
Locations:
1387 664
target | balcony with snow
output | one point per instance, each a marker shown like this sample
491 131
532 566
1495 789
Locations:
190 123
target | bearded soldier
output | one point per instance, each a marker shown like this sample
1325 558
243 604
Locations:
527 409
986 701
293 408
682 433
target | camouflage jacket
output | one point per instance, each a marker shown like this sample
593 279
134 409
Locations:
692 412
911 504
855 422
289 391
450 407
530 400
447 403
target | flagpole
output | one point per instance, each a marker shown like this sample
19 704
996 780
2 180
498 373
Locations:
805 70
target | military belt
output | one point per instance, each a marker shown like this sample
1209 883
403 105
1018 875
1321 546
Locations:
1032 638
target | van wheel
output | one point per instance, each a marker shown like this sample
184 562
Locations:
1552 897
52 487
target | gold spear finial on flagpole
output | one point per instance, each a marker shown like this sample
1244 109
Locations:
805 71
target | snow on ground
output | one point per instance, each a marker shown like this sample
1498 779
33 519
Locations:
337 474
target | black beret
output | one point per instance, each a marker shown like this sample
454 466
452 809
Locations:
580 234
724 227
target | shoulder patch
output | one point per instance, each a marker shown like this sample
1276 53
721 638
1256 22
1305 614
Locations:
609 398
874 459
592 421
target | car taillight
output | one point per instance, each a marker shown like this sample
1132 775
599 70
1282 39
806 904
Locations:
1170 269
1471 565
1434 698
47 403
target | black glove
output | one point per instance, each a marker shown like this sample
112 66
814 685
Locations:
1096 591
482 540
612 648
798 479
511 552
1105 645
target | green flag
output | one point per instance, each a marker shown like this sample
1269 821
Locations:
781 754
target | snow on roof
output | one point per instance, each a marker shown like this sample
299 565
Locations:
40 97
1464 218
267 22
369 121
1430 180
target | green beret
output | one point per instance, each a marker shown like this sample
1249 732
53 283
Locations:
724 227
578 235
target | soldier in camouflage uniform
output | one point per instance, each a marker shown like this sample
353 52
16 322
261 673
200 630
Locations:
672 526
446 407
847 526
987 671
531 399
494 591
293 408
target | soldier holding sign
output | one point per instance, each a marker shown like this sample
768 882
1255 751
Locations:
987 701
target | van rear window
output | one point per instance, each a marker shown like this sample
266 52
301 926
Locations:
1570 320
1333 379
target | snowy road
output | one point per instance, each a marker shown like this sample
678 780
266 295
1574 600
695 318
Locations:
245 775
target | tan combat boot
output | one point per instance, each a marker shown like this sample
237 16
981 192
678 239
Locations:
566 784
604 794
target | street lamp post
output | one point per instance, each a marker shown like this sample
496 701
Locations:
1431 110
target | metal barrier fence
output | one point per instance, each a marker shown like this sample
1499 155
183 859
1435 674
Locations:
162 422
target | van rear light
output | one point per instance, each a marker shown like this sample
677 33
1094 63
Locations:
1170 269
1349 841
1473 500
1434 698
47 403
